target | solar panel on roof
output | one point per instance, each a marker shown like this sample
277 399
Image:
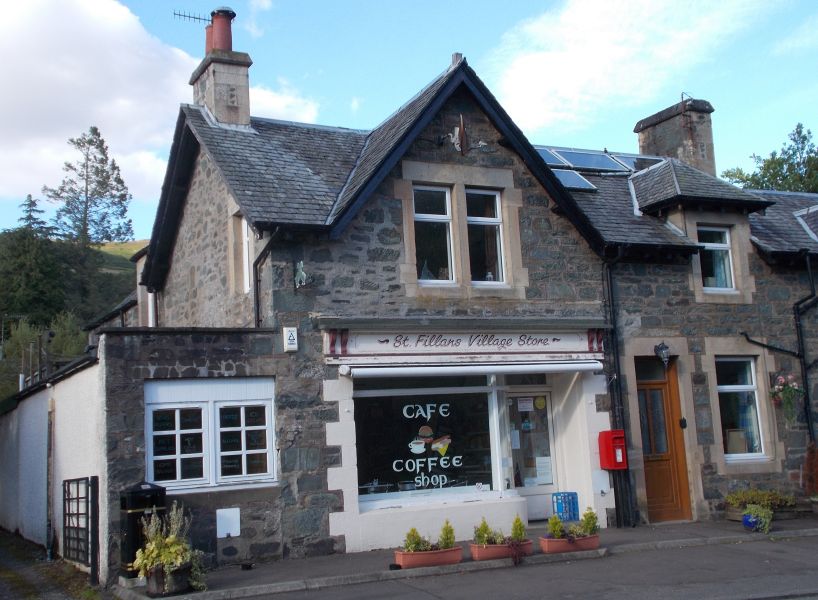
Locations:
637 163
590 160
573 180
550 158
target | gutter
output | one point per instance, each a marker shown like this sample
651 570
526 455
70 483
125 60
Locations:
623 491
798 309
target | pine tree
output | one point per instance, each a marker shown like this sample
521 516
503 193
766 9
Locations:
93 197
31 218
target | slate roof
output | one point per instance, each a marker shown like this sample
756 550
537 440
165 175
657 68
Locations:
778 232
673 182
279 171
611 212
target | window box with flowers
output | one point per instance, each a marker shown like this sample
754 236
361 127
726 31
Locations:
785 395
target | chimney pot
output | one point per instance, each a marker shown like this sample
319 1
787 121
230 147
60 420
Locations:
456 58
222 35
208 38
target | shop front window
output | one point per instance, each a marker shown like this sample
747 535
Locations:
423 440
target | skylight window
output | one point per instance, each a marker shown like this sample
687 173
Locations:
573 180
551 159
598 161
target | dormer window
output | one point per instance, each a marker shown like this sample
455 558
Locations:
716 259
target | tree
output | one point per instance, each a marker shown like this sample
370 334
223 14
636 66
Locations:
94 199
794 169
31 220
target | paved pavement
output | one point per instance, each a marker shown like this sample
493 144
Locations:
293 575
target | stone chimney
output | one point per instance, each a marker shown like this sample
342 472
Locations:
221 81
681 131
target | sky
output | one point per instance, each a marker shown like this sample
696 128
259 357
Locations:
576 73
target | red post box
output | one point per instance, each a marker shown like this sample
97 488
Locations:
613 453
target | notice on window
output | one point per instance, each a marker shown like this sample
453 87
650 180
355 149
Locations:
544 475
515 439
525 404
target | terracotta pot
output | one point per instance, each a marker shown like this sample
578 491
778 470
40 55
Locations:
494 551
430 558
178 582
552 546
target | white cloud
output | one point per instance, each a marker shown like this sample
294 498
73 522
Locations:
76 63
355 104
564 66
250 24
802 38
286 103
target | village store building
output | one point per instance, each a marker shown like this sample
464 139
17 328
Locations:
340 334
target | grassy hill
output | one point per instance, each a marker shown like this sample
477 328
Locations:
116 255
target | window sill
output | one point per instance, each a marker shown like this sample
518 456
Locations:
755 463
721 291
220 487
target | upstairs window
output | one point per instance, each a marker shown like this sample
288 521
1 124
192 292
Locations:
485 235
716 259
433 234
738 407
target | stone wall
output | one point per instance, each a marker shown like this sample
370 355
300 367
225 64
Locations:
656 301
199 291
289 518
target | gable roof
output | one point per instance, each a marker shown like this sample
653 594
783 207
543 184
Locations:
675 183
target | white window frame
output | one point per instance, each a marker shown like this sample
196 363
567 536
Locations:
217 446
496 222
751 387
716 247
247 255
176 407
430 218
209 395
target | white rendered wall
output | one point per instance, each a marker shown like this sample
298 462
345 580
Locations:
23 468
79 445
576 427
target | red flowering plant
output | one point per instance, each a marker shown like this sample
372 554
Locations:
785 395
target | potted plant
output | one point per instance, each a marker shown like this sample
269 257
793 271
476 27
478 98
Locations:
781 504
166 560
490 544
757 518
785 395
583 535
418 551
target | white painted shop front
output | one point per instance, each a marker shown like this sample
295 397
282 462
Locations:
464 425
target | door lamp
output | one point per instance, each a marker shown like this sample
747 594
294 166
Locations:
662 352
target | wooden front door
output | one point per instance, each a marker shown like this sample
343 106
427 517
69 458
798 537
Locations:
668 492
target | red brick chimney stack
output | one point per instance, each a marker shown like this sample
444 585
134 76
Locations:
208 38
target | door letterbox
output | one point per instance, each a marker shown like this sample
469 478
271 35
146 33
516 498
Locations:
613 453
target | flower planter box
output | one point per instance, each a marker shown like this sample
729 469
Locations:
780 514
733 513
178 582
553 546
430 558
495 551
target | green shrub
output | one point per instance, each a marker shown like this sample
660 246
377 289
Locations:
762 515
772 499
517 530
556 529
482 533
414 542
446 539
589 522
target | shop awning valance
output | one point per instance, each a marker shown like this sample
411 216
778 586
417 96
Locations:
472 369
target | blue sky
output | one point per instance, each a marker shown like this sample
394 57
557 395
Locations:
570 73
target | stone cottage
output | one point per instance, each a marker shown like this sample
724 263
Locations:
341 334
